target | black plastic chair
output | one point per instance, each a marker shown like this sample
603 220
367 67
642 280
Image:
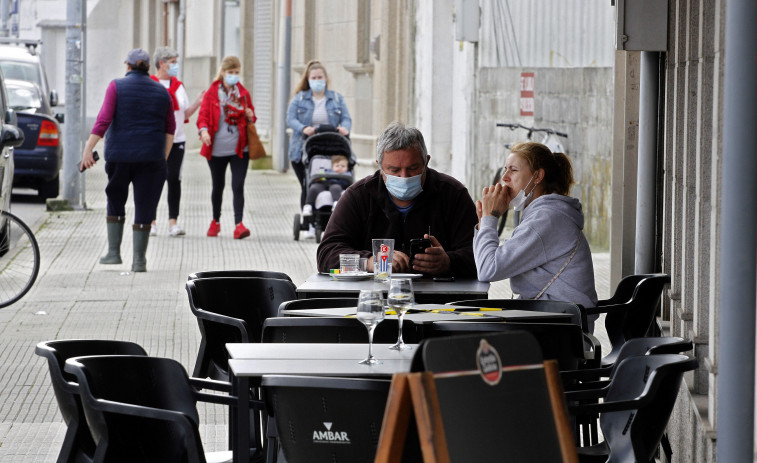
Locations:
633 318
595 378
232 309
318 303
78 445
239 274
563 342
636 407
145 408
334 330
320 419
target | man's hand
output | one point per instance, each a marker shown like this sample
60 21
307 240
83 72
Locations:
434 261
400 262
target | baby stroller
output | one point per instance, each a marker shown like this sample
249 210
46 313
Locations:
316 156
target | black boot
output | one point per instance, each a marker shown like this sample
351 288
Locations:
141 235
115 234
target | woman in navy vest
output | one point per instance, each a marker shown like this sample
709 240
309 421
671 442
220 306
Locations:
137 121
224 114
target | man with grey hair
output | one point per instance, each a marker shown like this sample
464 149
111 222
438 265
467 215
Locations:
403 200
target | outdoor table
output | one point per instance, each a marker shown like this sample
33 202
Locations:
426 289
249 362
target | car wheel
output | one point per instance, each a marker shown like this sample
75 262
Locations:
49 189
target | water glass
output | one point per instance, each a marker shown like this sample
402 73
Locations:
370 311
400 298
383 250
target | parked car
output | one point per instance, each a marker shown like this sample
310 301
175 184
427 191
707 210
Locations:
21 62
38 160
10 137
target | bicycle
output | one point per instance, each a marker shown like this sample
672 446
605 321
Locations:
19 259
550 140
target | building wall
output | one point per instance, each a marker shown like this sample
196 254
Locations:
577 101
692 171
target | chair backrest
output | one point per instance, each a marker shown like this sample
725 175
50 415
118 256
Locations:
558 341
576 310
624 290
634 318
333 330
318 303
652 382
139 408
232 309
239 273
78 440
327 419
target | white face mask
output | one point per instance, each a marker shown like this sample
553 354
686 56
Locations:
520 200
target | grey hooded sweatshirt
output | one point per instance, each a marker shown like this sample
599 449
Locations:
549 230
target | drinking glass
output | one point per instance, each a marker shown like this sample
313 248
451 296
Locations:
400 299
370 311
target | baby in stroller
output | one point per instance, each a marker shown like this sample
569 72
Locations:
329 162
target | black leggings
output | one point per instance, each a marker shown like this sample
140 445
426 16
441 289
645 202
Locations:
239 167
173 180
299 170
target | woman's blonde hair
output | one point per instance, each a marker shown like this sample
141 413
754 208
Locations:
558 171
228 63
303 83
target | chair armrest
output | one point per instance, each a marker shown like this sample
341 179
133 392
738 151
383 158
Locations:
212 384
586 409
230 400
240 324
589 394
588 374
606 309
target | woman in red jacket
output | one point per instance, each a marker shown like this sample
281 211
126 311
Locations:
225 112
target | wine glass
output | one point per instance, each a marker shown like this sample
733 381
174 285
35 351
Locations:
370 311
400 299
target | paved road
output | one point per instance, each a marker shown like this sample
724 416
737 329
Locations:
76 297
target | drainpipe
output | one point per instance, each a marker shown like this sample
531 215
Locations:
738 240
646 178
180 33
283 87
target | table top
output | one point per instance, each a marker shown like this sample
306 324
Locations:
323 283
259 359
429 313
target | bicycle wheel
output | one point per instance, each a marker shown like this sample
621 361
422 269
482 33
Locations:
19 259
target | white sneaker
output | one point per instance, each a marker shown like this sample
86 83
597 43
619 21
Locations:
176 230
307 210
309 234
153 230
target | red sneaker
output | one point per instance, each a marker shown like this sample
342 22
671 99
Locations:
241 231
215 228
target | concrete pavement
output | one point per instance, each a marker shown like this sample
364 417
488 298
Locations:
76 297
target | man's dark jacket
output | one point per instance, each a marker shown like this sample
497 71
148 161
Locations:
365 211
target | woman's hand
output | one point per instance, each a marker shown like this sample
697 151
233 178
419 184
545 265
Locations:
495 200
249 114
342 131
205 138
308 131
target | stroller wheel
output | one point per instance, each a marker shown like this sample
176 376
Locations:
296 227
318 233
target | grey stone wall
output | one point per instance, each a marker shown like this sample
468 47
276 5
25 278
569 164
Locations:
577 101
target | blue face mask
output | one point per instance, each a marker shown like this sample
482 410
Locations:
173 69
317 85
404 188
231 79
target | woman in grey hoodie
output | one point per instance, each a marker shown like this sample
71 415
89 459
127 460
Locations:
547 256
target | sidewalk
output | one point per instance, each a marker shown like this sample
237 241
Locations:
76 297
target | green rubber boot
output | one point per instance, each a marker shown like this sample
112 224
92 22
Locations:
115 234
141 235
